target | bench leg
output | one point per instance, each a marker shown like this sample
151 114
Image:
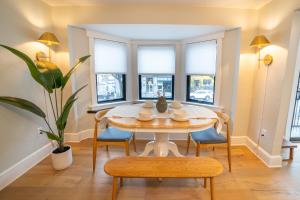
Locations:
205 182
291 153
211 180
121 182
115 188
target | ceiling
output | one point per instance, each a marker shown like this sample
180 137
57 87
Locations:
242 4
154 31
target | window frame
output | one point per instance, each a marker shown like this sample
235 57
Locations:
123 90
154 43
92 36
218 75
149 98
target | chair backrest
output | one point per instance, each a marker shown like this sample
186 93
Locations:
98 118
226 120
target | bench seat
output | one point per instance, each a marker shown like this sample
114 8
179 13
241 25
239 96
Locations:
163 167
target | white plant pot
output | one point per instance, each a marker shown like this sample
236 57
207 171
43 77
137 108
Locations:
62 160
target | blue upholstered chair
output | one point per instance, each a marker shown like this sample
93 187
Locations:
110 136
211 137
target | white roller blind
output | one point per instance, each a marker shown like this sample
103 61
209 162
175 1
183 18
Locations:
156 59
201 57
110 56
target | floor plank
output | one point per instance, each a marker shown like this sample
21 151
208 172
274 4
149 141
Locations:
250 179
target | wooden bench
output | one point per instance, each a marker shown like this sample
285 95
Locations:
163 167
288 145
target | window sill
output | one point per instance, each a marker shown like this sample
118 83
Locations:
213 107
96 107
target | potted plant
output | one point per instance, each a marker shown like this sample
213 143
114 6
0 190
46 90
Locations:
50 77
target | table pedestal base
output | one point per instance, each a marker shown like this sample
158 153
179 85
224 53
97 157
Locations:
161 146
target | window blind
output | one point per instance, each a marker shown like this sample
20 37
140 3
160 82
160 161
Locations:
110 56
156 59
201 57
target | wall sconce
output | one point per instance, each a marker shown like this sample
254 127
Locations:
259 42
49 39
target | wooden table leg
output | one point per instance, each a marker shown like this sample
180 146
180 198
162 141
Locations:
211 188
115 188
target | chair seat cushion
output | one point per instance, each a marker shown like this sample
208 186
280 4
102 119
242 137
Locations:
115 135
209 136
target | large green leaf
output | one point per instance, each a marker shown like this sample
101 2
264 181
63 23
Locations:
51 73
62 120
35 73
52 136
23 104
73 69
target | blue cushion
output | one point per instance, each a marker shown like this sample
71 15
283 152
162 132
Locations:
209 136
115 135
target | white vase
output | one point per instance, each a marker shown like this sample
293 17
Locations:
62 160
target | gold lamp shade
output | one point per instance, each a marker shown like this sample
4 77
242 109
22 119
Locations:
49 39
260 41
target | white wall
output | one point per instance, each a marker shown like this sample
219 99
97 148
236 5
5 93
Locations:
277 22
21 25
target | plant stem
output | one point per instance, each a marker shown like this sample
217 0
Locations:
48 125
52 106
55 95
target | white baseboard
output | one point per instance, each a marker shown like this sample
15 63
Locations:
271 161
21 167
77 137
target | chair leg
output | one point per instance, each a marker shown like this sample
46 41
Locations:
134 144
94 155
229 156
205 182
106 147
188 143
127 148
197 149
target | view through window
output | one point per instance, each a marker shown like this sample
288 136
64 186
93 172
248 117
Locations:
110 87
152 84
201 88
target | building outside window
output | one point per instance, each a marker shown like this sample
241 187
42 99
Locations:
110 68
156 68
201 59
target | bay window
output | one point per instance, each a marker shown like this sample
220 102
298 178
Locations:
110 70
200 65
156 69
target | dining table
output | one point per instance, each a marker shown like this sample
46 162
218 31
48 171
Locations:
126 117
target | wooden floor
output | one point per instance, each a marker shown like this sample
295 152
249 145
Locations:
249 180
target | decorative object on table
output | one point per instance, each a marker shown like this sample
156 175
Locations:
148 104
179 115
161 104
50 77
176 105
145 115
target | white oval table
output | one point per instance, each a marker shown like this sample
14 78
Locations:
124 118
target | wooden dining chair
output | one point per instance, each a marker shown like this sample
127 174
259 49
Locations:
110 136
212 137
